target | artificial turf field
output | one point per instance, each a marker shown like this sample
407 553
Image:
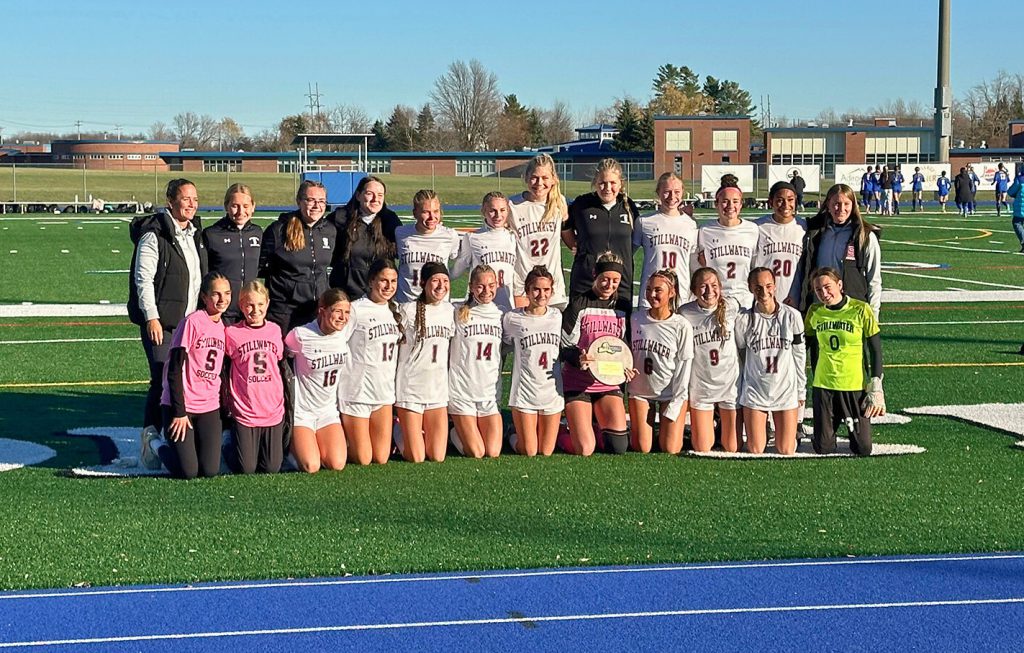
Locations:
55 530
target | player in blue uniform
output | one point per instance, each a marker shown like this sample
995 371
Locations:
876 188
943 184
897 189
867 190
917 186
1001 180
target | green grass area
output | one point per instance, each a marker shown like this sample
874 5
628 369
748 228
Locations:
271 189
512 512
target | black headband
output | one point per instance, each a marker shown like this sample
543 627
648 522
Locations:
781 185
431 268
609 266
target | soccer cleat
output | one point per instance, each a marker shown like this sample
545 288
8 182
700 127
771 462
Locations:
148 456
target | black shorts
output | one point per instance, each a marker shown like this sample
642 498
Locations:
591 397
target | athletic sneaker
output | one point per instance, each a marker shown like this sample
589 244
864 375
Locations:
148 456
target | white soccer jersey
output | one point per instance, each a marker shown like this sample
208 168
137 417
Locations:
662 354
415 249
715 373
320 363
423 363
374 361
475 358
774 374
536 373
730 251
493 247
778 248
668 242
537 243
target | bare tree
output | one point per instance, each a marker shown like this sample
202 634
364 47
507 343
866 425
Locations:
159 131
195 131
349 119
983 112
558 123
468 102
229 134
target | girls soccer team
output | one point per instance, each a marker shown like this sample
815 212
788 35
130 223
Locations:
735 351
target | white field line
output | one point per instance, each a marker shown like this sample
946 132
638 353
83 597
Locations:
947 322
962 249
517 620
378 580
937 278
66 340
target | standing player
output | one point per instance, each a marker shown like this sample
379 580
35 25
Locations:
943 185
975 183
867 190
233 245
321 353
422 386
662 344
1001 181
838 331
191 397
492 245
536 400
366 232
1016 191
715 373
669 237
425 241
917 187
367 397
780 238
536 216
897 190
294 257
601 221
255 352
728 245
601 311
876 187
774 374
474 383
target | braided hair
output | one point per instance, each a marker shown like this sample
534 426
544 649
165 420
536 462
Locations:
376 268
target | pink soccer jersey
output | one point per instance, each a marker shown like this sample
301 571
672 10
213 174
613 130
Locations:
256 388
203 342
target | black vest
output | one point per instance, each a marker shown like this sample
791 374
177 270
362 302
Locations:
171 280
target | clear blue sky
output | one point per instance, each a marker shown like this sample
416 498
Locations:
135 62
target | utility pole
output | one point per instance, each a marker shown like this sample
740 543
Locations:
943 92
78 124
314 101
118 128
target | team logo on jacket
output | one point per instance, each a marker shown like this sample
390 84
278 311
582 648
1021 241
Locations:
592 216
254 241
327 244
227 240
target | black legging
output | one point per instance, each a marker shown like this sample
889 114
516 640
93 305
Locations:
258 449
199 453
156 356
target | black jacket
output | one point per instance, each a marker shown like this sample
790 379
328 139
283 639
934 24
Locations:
352 274
235 253
599 230
295 280
171 280
853 272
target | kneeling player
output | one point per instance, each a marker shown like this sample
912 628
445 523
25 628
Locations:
662 344
838 330
774 380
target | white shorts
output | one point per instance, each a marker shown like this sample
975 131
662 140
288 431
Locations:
473 408
728 405
316 421
418 407
363 411
554 408
778 408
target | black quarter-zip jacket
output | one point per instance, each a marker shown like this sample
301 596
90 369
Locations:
235 253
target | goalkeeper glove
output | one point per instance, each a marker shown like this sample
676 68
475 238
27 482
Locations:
874 398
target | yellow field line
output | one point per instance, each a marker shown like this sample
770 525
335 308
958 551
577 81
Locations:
985 233
69 384
888 366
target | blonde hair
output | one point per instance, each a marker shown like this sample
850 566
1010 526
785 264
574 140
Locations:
611 165
720 310
478 271
555 207
667 177
254 287
294 236
490 197
423 196
672 279
235 189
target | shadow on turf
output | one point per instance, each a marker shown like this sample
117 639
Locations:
44 417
